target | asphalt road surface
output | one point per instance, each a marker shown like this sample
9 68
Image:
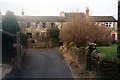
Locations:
43 63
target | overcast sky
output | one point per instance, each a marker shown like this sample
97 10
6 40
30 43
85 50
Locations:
54 7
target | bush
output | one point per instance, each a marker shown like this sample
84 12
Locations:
82 30
53 35
33 41
72 46
23 39
10 23
41 44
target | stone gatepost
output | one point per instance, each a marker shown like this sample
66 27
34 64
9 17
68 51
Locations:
19 61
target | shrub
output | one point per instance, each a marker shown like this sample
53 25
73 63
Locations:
82 30
53 35
10 23
23 39
72 46
33 41
41 44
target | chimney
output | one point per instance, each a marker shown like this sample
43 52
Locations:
87 12
62 14
22 13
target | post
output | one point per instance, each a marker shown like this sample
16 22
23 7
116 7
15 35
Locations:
18 63
118 47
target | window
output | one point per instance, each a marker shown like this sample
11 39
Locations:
52 24
37 25
108 24
43 25
29 35
28 24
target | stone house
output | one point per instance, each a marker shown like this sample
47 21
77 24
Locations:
36 26
107 21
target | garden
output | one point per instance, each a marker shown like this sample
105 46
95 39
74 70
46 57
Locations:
86 60
109 51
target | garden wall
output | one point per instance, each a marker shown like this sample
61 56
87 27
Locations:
100 65
91 63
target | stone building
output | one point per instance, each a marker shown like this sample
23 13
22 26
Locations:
107 21
36 26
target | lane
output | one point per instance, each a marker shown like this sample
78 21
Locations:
43 63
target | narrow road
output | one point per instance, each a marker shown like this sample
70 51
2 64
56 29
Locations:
43 63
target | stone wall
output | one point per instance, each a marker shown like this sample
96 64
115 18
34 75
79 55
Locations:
101 66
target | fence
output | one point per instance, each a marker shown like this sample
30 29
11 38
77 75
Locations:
9 50
8 40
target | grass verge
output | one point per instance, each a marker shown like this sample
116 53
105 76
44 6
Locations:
109 51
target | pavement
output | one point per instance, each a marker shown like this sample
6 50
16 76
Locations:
42 63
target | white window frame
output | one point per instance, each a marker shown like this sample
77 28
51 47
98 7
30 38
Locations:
108 24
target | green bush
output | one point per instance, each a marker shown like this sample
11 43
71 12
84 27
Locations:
23 39
9 23
53 35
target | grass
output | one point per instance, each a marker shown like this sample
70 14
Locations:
109 51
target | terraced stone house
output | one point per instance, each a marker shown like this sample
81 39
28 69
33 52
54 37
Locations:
107 21
36 26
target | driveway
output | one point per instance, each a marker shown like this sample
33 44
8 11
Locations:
43 63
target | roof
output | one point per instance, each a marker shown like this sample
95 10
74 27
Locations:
73 14
103 18
42 18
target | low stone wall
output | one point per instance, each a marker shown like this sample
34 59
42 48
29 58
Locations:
90 63
102 66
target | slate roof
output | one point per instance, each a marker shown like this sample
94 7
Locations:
67 16
103 18
42 18
73 14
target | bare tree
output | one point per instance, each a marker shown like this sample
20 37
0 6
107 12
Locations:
80 30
